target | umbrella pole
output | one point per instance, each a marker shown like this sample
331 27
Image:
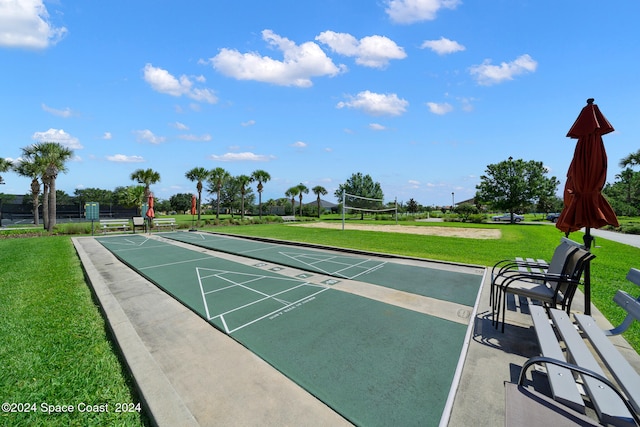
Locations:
588 239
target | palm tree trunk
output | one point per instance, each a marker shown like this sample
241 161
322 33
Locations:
218 205
35 192
45 203
52 205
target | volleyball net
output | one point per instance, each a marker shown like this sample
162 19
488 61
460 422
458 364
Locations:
352 204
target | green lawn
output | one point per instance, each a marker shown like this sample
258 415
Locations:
55 349
608 270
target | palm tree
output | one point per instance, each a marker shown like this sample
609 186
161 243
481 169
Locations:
302 189
632 159
217 177
146 177
29 169
292 192
243 181
198 174
5 165
319 190
49 158
260 176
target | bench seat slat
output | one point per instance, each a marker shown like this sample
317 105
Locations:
563 385
607 404
622 371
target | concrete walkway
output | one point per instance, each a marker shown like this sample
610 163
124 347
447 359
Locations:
188 373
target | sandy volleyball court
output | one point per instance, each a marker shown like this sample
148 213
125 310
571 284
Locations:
468 233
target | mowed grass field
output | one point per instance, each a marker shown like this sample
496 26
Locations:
58 366
56 349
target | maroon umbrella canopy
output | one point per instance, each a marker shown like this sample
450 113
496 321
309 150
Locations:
150 212
585 206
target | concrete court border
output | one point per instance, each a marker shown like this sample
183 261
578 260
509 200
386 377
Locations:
492 357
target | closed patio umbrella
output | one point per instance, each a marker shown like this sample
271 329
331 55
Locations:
193 211
584 204
150 212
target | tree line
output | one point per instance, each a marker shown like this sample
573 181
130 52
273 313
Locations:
512 185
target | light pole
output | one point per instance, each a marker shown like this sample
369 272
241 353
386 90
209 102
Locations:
453 201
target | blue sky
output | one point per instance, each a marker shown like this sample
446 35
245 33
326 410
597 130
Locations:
420 94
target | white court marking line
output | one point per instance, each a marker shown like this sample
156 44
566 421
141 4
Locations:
204 300
330 258
374 268
273 312
176 263
284 303
129 242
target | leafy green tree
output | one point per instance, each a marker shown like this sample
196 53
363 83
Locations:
412 206
292 193
260 176
147 177
362 186
514 184
319 190
200 175
465 210
104 197
217 178
180 202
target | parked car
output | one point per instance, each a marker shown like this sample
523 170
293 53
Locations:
553 217
507 217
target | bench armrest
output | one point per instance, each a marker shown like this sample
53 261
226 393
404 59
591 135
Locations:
575 368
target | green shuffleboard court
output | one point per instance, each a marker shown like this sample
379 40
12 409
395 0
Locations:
374 363
461 288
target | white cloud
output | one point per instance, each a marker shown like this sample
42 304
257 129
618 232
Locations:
443 46
190 137
487 74
300 63
59 136
25 24
164 82
371 51
299 144
241 157
148 136
107 135
411 11
376 126
66 113
376 104
439 109
121 158
248 123
180 126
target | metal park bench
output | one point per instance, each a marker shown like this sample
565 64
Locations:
588 348
164 223
288 218
107 225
